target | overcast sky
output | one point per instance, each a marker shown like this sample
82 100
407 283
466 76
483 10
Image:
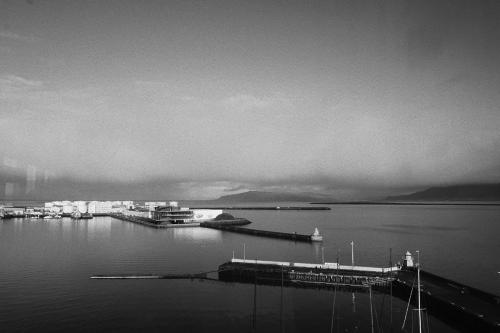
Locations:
215 96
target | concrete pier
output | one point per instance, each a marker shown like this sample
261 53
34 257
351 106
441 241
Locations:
325 275
265 208
263 233
464 307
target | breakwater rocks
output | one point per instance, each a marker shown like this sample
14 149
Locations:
218 224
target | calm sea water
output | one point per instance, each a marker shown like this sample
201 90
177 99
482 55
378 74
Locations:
45 268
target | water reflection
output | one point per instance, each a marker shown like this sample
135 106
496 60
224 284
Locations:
98 228
18 225
196 234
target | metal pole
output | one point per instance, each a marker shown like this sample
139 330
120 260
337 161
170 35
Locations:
254 316
418 284
244 250
390 286
338 261
352 274
323 254
371 310
408 306
352 254
281 305
333 308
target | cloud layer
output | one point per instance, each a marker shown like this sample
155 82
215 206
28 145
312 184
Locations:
207 98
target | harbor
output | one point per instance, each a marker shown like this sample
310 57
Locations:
461 306
175 259
158 215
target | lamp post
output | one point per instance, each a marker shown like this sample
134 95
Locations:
352 254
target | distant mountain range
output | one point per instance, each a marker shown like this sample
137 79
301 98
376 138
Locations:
478 192
258 196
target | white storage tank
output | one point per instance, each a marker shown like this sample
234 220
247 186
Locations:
91 207
67 209
81 206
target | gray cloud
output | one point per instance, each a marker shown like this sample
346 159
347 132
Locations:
17 37
215 98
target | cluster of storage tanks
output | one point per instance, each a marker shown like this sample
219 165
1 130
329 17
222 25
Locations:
91 207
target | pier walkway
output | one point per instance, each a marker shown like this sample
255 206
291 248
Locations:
453 299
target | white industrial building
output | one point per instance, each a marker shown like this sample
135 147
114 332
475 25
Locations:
181 215
151 205
91 207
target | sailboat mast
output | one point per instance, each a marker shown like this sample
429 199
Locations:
418 286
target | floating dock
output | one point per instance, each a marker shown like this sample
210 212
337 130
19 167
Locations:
306 274
150 276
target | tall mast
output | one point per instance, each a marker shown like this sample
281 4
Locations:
418 286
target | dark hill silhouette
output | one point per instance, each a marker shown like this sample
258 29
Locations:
475 192
258 196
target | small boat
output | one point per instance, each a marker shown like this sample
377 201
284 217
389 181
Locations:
76 215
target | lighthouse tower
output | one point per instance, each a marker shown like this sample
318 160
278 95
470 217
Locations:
316 236
408 260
